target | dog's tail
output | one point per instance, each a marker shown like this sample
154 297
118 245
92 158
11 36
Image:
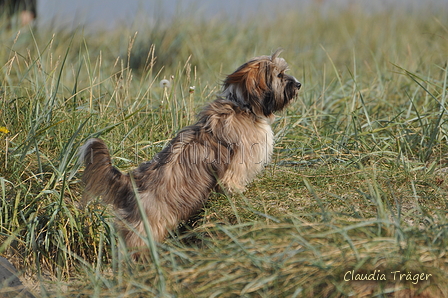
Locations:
101 178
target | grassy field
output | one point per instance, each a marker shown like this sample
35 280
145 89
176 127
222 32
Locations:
357 189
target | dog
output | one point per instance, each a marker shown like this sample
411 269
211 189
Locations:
225 149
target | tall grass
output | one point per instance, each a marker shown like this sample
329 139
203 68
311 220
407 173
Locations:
358 179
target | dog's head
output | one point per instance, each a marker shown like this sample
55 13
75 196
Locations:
261 85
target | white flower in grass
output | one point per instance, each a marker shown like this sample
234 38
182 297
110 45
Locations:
191 89
165 83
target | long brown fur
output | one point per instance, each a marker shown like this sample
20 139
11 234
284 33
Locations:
228 145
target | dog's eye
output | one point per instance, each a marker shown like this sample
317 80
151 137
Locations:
280 75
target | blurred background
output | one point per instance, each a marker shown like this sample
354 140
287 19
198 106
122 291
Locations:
110 13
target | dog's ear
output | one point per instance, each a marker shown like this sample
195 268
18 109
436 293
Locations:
252 81
256 78
251 77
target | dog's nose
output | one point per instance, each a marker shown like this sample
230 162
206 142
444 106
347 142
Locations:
298 85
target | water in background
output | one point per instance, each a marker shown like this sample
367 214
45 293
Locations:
107 14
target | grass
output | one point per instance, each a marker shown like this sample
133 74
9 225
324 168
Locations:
357 183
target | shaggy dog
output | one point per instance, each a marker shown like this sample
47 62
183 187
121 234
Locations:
229 144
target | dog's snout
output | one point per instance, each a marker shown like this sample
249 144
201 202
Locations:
296 83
